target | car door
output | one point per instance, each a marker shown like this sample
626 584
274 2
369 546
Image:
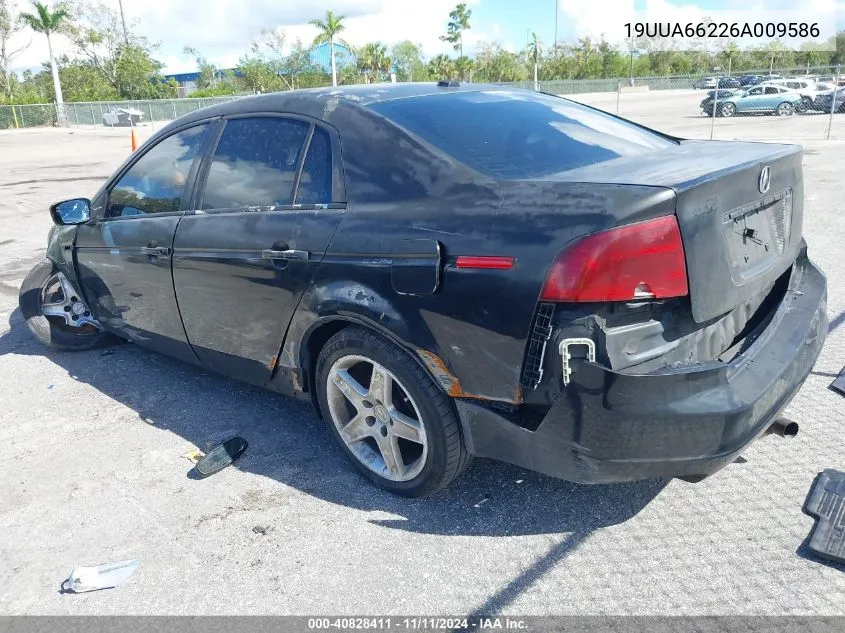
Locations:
268 201
123 255
771 98
746 102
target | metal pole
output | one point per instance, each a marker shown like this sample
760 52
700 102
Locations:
150 108
93 119
618 92
632 61
173 103
833 101
123 22
715 106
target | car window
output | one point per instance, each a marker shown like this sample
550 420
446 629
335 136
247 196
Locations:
315 183
156 182
771 90
514 134
254 163
755 91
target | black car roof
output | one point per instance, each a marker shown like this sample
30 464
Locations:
321 102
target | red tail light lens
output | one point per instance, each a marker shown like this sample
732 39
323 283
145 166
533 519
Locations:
636 261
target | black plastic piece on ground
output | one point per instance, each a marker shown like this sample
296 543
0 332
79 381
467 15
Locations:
838 385
826 502
221 456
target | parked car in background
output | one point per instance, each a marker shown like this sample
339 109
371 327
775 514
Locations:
122 116
751 80
705 83
707 102
729 82
805 87
823 101
759 99
447 271
709 83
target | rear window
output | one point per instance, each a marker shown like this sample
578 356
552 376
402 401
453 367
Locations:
513 135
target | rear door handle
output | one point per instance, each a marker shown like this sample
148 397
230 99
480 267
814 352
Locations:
289 254
155 251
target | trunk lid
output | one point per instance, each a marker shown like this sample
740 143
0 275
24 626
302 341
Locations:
739 206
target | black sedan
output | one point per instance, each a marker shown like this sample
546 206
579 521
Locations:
448 271
825 102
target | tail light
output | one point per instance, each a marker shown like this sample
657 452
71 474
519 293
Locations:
644 260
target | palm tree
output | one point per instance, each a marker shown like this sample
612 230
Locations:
329 30
48 22
373 59
534 51
441 67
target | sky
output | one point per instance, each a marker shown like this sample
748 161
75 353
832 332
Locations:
222 29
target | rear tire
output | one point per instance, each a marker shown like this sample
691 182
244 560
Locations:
51 330
727 109
410 417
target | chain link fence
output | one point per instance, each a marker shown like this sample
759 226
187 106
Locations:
100 112
804 104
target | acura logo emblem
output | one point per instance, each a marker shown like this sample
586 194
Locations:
765 179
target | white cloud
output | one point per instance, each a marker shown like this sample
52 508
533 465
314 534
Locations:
222 29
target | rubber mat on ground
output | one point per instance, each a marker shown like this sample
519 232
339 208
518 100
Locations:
826 502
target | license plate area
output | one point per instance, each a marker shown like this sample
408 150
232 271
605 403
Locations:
757 235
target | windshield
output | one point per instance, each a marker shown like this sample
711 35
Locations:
519 134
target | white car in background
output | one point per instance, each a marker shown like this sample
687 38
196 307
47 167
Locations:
122 116
806 87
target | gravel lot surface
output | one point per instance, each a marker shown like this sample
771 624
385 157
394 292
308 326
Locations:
93 470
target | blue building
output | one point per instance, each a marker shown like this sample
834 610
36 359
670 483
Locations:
342 56
319 56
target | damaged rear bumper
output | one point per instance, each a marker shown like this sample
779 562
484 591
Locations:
607 426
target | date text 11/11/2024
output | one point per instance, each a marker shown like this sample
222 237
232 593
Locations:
418 623
722 29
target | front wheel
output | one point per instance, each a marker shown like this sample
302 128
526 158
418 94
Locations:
56 313
399 429
727 109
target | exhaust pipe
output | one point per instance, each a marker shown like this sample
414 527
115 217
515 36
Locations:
783 427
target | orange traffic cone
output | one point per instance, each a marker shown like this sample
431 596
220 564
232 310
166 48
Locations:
134 139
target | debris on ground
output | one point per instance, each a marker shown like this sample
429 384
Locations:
826 502
193 455
105 576
260 529
221 456
838 385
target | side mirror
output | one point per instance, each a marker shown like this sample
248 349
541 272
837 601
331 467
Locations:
76 211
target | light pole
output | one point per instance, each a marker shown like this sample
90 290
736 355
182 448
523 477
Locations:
123 22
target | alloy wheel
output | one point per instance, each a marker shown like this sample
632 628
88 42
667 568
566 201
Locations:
60 300
376 418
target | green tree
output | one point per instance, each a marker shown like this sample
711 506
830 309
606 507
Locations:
458 23
441 67
126 62
48 22
534 51
207 71
9 26
329 28
373 61
494 64
408 59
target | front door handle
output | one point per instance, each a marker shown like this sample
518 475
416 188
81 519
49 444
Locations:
289 254
155 251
